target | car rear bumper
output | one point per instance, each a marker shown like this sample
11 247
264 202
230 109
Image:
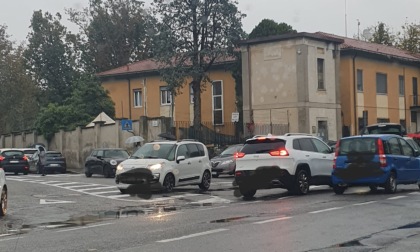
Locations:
50 167
16 168
338 179
264 178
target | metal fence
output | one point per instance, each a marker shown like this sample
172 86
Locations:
226 134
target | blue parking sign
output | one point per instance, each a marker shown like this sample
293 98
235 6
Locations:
127 125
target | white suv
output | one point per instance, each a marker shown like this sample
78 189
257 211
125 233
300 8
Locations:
164 165
292 161
3 193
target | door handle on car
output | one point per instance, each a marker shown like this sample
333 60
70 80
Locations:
199 161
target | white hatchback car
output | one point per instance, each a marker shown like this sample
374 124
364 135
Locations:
165 165
3 195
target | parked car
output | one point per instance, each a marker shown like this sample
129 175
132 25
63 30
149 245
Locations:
3 193
385 128
55 162
225 162
375 161
104 161
291 161
13 160
30 153
165 165
34 160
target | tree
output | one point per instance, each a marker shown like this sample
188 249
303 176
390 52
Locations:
49 57
113 33
88 99
410 38
268 27
18 91
193 35
382 35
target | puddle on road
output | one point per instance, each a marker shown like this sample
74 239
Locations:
15 227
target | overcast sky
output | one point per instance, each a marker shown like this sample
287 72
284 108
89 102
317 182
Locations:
303 15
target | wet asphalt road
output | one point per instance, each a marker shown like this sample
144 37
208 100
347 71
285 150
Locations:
72 213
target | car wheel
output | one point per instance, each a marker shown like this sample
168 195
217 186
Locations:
3 202
391 183
247 193
301 186
339 189
123 191
215 175
205 181
88 174
373 188
169 183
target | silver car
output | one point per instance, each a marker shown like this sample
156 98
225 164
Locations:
225 162
3 195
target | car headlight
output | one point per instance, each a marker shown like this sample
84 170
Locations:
155 167
120 167
227 162
113 162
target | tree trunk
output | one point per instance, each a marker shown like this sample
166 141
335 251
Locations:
197 105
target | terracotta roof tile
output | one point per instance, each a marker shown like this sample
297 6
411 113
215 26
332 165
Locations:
354 44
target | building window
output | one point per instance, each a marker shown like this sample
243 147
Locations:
138 102
320 67
165 96
191 94
381 83
217 102
359 80
383 120
401 85
361 123
413 116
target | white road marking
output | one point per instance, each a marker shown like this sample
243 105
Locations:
106 192
415 193
251 202
68 183
118 196
364 203
185 195
397 197
3 235
92 226
193 235
286 197
272 220
79 186
49 182
326 210
96 188
45 202
14 238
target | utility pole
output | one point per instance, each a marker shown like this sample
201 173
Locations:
358 29
345 16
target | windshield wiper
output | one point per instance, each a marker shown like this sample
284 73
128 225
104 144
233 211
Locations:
150 157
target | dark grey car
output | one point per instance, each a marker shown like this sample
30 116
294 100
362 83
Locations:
225 162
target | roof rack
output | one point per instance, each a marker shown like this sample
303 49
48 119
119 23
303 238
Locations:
297 134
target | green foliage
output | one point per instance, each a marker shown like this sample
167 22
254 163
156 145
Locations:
49 57
382 35
87 101
268 27
17 90
113 33
192 36
410 38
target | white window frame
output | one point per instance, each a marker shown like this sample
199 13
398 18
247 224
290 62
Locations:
168 93
138 100
191 93
212 101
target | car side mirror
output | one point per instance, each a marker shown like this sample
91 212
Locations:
180 158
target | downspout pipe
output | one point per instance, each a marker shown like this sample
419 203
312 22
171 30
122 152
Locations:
129 98
251 112
355 94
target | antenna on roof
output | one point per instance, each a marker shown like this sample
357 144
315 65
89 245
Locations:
345 16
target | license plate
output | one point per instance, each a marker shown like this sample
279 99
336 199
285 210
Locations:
214 173
14 161
55 165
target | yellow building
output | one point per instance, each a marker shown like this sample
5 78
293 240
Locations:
381 80
137 90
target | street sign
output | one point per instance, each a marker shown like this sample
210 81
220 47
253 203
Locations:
235 117
127 125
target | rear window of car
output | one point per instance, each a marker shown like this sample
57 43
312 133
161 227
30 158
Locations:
12 153
385 129
53 154
29 152
266 145
116 154
358 146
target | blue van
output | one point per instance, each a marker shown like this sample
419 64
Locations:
375 161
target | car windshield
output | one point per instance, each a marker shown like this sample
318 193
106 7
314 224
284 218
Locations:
154 150
358 146
264 145
116 154
229 151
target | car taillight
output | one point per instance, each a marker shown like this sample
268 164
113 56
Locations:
337 147
239 155
1 158
238 173
25 158
279 153
381 152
